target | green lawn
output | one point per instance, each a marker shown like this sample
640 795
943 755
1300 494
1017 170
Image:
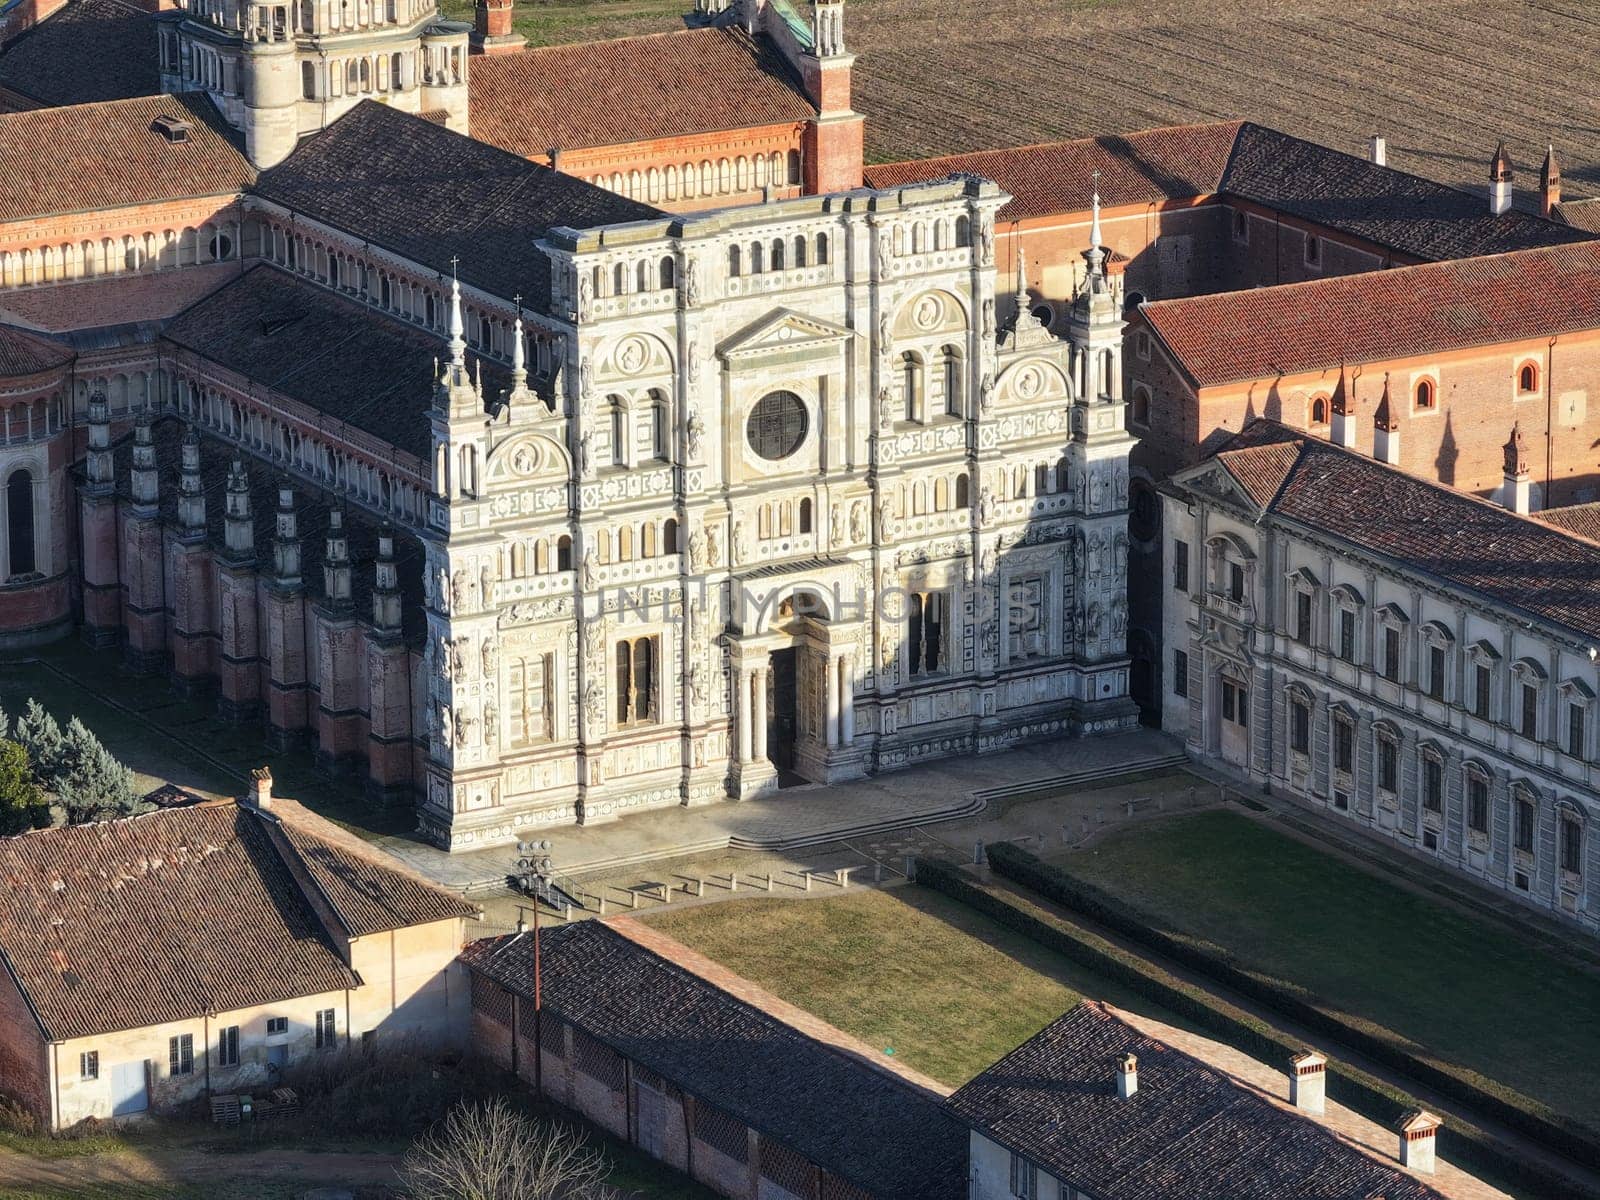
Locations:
1464 990
948 990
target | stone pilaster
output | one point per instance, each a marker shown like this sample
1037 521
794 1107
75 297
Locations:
97 504
339 644
238 618
389 740
143 563
284 612
193 582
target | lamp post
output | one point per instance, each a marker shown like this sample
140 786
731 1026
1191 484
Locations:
533 875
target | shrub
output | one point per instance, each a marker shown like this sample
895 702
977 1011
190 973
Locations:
490 1151
22 805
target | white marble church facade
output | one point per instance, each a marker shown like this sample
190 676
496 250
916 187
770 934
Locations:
809 503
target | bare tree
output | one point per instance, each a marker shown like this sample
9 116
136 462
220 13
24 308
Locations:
492 1152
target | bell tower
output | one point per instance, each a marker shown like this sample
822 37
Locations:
835 138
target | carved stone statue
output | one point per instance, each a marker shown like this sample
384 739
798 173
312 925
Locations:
986 392
697 684
985 241
585 376
885 250
590 569
585 455
696 430
713 545
858 522
885 407
458 591
443 590
986 506
691 281
458 663
836 525
736 543
491 657
485 584
593 704
585 297
491 723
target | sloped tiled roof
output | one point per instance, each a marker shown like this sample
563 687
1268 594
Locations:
1581 520
416 188
129 923
1405 213
852 1119
1580 214
1413 216
89 50
342 358
1181 162
24 354
1377 316
1187 1131
108 155
632 90
1521 563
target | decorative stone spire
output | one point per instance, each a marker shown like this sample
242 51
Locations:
1517 491
458 329
1500 191
145 482
286 540
1345 410
1095 255
1516 452
1386 430
101 464
519 359
827 28
238 527
336 561
1549 182
191 492
386 587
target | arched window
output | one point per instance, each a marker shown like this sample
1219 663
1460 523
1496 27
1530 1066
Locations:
643 276
658 425
733 261
756 253
669 536
777 255
963 231
952 381
19 523
564 553
665 273
1571 843
963 492
822 249
1141 406
1319 410
625 544
1041 479
1425 393
308 80
799 252
911 386
396 71
619 279
619 433
805 515
1528 378
794 167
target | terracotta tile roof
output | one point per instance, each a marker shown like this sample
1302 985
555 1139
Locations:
1381 315
1261 470
25 354
1413 216
369 891
96 303
864 1125
90 50
107 155
632 90
1519 563
1405 213
1580 214
1058 177
420 190
339 357
1580 520
129 923
1187 1131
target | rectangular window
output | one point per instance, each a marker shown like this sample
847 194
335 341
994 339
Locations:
658 430
1525 824
925 632
1575 721
530 699
1571 846
1180 566
228 1047
1530 712
1344 745
637 662
1388 765
1432 784
1478 803
1302 617
1347 634
277 1025
1180 674
1391 653
327 1031
1026 619
1022 1178
1480 691
1235 703
1236 583
180 1054
89 1065
1436 672
1300 727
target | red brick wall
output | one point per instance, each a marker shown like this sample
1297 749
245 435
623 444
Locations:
24 1054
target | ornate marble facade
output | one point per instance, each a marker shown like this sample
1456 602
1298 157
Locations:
806 500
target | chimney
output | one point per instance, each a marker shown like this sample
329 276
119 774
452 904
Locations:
1417 1130
1344 413
1517 491
1308 1081
260 796
1386 430
1127 1076
555 158
1500 181
1380 151
1549 183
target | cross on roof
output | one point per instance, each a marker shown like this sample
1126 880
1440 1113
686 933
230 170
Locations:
454 261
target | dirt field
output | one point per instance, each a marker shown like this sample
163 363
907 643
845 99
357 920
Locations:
1441 79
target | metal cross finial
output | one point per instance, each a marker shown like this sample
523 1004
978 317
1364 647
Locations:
517 300
454 262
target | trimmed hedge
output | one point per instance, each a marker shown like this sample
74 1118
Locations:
1458 1142
1506 1105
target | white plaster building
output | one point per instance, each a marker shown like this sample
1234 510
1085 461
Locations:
808 503
1408 657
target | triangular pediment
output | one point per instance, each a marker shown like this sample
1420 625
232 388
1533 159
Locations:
1213 479
783 328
